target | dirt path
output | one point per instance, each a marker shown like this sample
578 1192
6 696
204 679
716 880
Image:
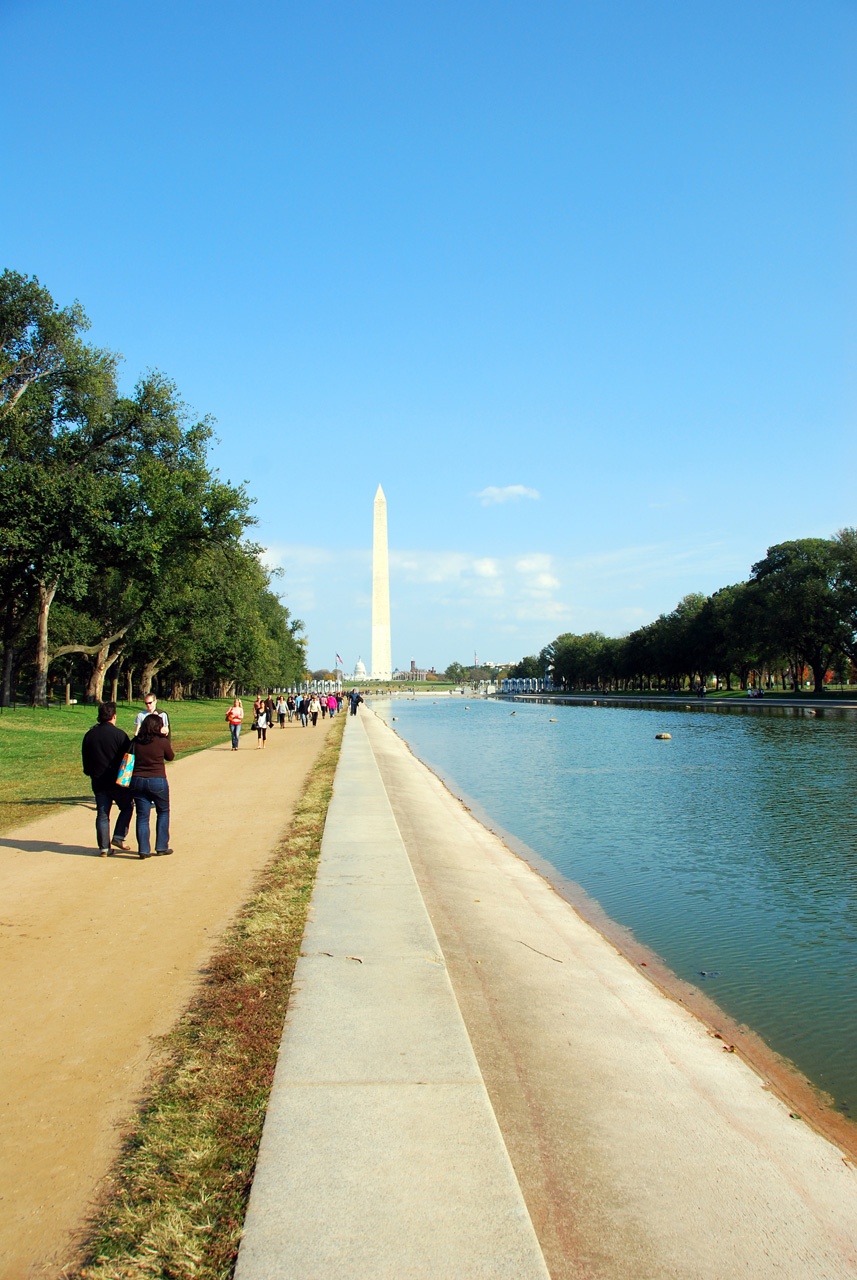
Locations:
100 955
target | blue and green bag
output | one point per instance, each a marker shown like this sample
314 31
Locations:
126 768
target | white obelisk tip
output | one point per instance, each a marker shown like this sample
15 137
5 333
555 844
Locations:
380 494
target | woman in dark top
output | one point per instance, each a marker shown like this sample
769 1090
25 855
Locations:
149 786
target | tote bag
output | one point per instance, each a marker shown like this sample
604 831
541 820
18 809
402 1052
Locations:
126 768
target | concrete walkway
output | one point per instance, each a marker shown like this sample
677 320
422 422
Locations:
381 1157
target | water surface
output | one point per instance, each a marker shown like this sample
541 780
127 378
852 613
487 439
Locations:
730 850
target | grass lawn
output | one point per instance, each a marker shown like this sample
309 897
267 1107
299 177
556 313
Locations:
40 767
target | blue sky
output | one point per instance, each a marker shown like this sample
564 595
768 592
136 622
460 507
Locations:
573 281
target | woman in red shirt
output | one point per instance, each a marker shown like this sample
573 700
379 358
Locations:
234 718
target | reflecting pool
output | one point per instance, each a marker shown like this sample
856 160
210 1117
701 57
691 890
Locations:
730 850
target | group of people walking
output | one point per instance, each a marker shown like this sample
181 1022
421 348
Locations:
131 773
305 708
107 750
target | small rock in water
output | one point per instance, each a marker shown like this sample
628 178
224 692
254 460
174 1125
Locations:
663 735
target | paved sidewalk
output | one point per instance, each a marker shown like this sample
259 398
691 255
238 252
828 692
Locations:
381 1155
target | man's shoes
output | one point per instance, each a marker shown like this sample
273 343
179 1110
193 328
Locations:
140 854
102 853
119 844
161 853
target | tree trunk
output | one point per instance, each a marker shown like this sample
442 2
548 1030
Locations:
147 675
102 664
47 591
8 662
114 688
819 662
68 693
129 689
177 693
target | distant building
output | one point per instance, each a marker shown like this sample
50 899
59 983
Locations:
358 675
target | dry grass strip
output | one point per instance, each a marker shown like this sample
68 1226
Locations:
174 1206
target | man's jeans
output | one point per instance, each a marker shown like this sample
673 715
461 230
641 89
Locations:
148 792
103 801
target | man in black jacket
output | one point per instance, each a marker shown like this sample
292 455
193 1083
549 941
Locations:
102 749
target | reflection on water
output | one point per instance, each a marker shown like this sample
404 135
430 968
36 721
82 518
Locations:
730 850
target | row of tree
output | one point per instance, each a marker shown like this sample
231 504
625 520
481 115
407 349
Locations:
797 613
121 550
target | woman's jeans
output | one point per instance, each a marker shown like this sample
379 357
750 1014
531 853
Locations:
236 734
314 715
148 792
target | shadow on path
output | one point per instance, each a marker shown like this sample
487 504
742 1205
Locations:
52 846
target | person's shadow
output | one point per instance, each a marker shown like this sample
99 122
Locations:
53 846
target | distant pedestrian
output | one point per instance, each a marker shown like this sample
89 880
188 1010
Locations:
291 707
270 711
281 711
150 702
102 750
355 698
303 710
149 786
314 708
331 704
234 718
261 729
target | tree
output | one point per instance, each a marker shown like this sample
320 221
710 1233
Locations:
845 586
797 586
38 339
51 384
531 668
120 482
455 673
218 623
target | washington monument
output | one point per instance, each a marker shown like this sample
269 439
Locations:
382 662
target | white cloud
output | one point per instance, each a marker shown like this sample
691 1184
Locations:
508 493
486 568
533 564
